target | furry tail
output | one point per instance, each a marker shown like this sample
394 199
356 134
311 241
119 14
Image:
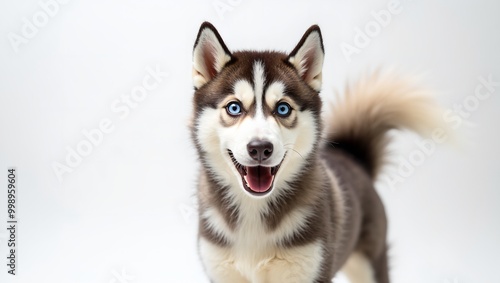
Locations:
361 119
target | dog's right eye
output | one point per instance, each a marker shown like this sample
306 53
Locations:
233 108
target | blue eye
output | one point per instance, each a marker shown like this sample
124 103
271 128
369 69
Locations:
233 108
283 109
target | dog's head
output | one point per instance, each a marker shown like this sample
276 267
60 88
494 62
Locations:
256 114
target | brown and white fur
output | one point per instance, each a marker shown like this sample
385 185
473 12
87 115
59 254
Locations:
321 212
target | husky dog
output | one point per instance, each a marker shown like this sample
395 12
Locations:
283 198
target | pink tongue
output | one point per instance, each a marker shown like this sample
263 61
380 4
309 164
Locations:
259 178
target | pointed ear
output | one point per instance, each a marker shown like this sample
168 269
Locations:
307 57
210 55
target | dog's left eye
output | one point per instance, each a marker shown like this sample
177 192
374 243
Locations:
233 108
283 109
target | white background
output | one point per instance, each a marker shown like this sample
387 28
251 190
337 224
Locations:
128 207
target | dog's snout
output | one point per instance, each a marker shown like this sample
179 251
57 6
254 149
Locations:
260 150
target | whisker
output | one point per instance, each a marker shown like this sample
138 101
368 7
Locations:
292 149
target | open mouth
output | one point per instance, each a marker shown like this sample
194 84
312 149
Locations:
257 180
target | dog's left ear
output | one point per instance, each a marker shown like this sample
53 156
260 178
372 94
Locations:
210 55
307 57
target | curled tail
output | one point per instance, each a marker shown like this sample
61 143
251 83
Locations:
362 117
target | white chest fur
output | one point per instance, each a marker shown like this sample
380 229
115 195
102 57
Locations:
254 253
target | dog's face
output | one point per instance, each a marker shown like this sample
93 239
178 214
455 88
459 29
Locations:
256 118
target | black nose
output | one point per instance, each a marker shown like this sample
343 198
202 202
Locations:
260 150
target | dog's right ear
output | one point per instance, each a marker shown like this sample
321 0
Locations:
210 55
